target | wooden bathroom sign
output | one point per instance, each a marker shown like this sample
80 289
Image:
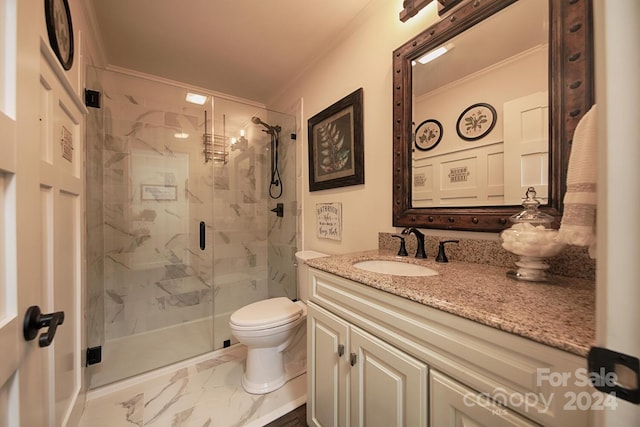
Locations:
66 144
329 220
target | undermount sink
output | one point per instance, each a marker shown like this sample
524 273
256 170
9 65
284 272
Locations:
395 268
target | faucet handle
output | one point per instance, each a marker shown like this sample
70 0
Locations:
442 256
403 249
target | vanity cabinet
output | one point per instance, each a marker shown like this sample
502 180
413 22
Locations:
359 380
375 358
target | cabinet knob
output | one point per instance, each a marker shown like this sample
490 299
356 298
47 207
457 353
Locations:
340 350
353 359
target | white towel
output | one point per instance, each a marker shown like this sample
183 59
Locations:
578 226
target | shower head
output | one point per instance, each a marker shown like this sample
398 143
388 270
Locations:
257 121
270 129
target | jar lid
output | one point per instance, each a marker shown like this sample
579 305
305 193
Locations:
531 214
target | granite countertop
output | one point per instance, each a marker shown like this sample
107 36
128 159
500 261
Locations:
560 313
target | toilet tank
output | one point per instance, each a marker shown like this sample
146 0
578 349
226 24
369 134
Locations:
302 272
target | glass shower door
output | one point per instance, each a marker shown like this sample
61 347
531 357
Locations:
150 251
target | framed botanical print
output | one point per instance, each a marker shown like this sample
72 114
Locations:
336 146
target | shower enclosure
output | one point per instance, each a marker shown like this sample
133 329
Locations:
181 229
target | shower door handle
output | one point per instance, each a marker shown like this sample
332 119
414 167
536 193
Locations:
202 235
34 320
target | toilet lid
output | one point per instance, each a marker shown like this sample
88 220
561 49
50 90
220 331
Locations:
268 313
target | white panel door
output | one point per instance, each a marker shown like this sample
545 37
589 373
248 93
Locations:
618 97
61 209
40 223
526 147
11 346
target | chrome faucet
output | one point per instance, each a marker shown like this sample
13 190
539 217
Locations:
420 252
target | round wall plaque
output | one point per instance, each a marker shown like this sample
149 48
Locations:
60 30
428 134
476 121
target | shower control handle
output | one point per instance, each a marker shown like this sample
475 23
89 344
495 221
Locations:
279 209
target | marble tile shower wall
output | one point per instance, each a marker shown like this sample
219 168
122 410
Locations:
156 191
254 249
282 231
240 234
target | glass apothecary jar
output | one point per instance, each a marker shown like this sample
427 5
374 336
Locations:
532 239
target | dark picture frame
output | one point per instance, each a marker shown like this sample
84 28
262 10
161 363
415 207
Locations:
336 144
428 135
476 121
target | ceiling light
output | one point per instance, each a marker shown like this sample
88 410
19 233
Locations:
181 135
430 56
195 98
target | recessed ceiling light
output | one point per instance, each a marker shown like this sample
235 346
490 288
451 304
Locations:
195 98
430 56
181 135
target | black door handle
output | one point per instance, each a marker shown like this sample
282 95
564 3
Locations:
34 320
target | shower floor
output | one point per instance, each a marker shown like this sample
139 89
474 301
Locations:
205 391
126 357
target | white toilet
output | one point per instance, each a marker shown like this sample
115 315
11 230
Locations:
267 327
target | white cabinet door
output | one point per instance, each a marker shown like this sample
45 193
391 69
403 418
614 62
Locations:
388 387
454 405
327 368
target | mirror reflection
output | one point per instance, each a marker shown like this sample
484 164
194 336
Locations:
480 112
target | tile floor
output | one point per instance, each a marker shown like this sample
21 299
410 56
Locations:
205 392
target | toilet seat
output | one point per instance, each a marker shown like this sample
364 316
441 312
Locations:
266 314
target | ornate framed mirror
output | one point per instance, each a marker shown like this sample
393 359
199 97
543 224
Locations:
432 189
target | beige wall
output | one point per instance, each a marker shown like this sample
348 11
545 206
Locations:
361 57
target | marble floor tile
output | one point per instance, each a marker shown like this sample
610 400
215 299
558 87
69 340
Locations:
205 393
